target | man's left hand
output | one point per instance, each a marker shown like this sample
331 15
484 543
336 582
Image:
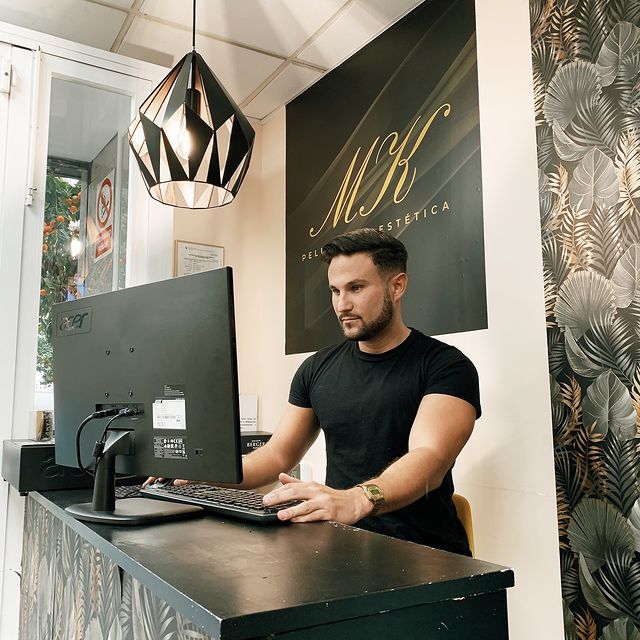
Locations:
318 502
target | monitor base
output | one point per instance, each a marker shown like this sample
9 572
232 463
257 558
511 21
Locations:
133 511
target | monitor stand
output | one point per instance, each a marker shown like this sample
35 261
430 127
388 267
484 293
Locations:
126 511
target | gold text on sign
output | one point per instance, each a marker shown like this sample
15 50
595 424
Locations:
401 172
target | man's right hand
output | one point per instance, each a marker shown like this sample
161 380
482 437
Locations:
164 481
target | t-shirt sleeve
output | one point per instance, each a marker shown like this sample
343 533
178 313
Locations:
450 372
299 392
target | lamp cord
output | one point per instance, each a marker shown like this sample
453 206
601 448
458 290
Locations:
193 38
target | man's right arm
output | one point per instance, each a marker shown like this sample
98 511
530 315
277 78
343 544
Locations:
296 432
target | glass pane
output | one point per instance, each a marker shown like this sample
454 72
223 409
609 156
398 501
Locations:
85 219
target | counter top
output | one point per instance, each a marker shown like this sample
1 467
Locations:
240 580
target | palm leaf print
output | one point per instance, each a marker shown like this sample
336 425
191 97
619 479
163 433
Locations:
635 395
571 394
586 76
570 576
546 200
571 87
613 345
540 15
591 25
560 416
593 594
568 147
626 277
92 600
578 359
634 523
620 629
619 457
564 516
605 245
545 65
631 229
596 529
126 608
594 182
571 478
587 449
555 261
557 357
627 164
570 632
574 232
544 141
585 300
558 185
619 581
625 11
608 406
619 54
562 30
596 124
586 628
152 617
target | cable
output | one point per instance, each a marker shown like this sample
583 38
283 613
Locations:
105 413
99 446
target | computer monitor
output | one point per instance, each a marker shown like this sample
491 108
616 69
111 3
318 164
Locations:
165 351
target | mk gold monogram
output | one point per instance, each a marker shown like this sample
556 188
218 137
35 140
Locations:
401 170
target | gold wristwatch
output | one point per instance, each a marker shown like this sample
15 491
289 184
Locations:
374 495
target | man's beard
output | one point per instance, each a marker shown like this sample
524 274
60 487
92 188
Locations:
370 330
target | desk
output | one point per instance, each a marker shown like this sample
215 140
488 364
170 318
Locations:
218 578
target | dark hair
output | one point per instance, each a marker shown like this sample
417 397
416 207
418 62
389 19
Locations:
387 252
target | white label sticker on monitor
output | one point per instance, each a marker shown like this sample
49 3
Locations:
169 413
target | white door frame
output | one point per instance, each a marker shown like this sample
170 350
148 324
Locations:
35 59
15 120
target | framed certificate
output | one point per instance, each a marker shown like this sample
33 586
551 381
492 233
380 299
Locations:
193 257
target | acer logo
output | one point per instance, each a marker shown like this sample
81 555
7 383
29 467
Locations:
71 323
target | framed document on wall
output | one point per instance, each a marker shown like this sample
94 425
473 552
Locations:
193 257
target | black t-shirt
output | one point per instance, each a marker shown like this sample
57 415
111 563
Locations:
366 404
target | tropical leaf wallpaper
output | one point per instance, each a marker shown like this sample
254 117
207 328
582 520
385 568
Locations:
586 75
71 591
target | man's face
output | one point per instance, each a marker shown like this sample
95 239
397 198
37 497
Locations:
360 295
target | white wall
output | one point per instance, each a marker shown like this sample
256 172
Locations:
506 470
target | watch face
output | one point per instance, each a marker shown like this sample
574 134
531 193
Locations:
375 492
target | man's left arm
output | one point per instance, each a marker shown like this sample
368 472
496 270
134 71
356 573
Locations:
441 428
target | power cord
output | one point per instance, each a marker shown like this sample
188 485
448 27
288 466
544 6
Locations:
96 415
99 446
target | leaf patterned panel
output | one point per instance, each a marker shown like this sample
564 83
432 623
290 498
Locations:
586 81
70 590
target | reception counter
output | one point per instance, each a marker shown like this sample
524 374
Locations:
208 577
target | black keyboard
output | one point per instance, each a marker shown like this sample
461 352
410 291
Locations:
230 502
128 491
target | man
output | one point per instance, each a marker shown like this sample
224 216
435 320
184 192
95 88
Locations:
396 408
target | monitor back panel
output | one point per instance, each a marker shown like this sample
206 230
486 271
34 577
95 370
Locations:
167 349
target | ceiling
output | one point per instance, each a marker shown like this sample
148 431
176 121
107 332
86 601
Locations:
265 52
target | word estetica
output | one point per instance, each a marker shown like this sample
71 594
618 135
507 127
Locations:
396 223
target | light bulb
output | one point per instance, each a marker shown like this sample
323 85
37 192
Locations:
184 143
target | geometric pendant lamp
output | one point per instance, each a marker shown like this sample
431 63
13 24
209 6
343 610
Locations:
190 139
